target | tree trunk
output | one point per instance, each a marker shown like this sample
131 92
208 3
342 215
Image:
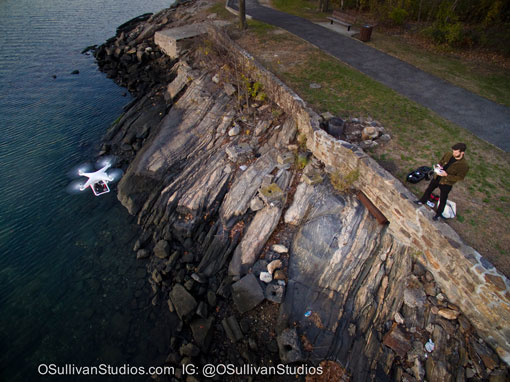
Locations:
242 14
323 5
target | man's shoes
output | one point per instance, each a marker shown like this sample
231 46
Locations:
418 202
437 217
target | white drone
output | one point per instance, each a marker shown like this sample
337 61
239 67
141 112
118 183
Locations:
98 180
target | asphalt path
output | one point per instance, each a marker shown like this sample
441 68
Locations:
486 119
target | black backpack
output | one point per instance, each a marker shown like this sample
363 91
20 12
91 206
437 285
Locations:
421 173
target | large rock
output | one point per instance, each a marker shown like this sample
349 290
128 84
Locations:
436 370
183 302
286 135
241 151
300 205
201 330
289 346
274 293
162 249
184 76
272 194
247 293
414 297
259 231
245 187
208 185
398 341
232 329
180 136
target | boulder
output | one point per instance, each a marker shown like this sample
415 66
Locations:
256 236
266 277
274 265
201 329
211 298
369 133
384 138
436 370
289 346
279 275
247 293
367 144
142 254
236 130
449 314
398 341
183 302
274 293
162 249
256 204
239 152
300 204
414 297
232 329
271 194
279 248
229 89
202 309
244 188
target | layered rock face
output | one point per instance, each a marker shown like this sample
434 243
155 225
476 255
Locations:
251 246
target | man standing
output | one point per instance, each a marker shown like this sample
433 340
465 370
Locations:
452 168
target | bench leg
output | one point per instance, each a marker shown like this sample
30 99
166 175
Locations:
331 21
348 28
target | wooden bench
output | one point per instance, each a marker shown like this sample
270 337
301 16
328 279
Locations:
342 18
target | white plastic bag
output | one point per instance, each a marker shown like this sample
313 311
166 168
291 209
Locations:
430 346
450 210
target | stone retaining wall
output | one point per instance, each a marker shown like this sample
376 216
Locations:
470 281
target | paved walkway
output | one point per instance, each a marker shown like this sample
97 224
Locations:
486 119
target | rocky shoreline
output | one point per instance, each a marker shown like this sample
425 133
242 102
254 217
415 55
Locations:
264 256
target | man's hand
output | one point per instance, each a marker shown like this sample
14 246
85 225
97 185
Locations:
443 173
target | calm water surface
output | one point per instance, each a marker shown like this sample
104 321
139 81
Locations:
70 288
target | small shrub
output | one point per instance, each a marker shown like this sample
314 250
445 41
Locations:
454 34
342 182
254 89
301 161
398 16
435 33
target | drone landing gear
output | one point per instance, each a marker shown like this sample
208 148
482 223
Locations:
100 188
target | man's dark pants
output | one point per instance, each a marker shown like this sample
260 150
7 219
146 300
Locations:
443 188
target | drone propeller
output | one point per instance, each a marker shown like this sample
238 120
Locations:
103 161
115 174
75 171
75 187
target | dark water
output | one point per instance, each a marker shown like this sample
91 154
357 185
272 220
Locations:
70 288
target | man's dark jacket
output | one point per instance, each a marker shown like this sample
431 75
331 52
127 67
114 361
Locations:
456 171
